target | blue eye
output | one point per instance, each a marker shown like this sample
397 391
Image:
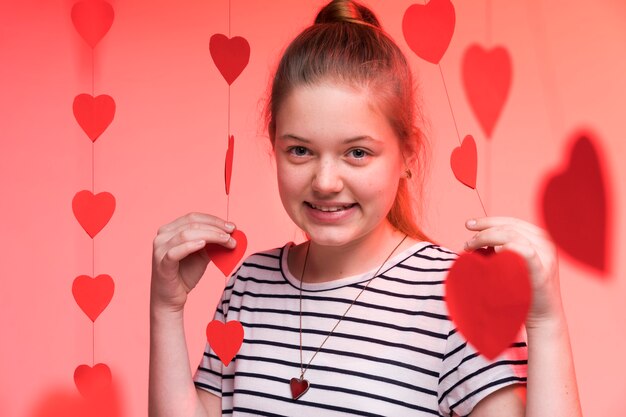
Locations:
297 150
359 153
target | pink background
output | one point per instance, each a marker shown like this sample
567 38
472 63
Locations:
163 156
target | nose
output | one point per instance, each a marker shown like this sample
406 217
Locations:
327 178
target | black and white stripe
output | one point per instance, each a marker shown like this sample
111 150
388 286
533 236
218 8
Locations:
396 353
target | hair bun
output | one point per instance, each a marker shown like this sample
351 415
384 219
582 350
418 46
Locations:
346 11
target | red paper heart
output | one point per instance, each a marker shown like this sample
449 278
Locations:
227 259
93 212
464 161
225 339
487 80
231 56
575 207
488 297
94 115
93 294
91 382
428 28
298 387
228 165
92 20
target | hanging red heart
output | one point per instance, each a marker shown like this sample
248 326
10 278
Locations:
93 212
488 297
94 115
231 56
93 294
225 339
575 206
92 381
226 259
298 387
92 20
228 165
464 161
487 80
428 28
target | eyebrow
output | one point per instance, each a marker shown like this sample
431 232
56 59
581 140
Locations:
349 140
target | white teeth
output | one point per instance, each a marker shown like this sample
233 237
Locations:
330 208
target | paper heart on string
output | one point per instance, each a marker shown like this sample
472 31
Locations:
228 165
93 294
428 28
92 20
298 387
487 81
94 115
488 296
93 212
90 382
225 339
575 206
231 56
226 259
464 162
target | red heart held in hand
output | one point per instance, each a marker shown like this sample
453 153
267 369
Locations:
428 28
488 296
464 162
94 115
92 20
93 212
228 165
93 295
226 259
91 382
231 56
575 207
225 339
298 387
487 80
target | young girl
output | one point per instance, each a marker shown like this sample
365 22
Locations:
353 321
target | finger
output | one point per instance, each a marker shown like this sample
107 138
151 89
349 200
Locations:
173 255
495 236
185 235
487 222
196 217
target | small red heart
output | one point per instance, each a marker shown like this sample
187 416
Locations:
91 382
428 28
225 339
487 81
231 56
226 259
488 297
464 162
92 20
94 115
298 387
93 212
228 165
575 207
93 294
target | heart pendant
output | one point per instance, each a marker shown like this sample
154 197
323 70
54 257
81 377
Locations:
299 386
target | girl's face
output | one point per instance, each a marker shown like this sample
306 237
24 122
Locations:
338 162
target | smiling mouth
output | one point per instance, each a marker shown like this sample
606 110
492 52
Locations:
330 209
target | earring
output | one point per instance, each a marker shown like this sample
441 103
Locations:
408 173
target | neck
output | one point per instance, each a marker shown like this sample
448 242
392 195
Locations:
329 263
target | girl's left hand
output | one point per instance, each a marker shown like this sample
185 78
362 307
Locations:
535 246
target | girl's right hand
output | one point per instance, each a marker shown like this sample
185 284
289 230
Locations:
179 259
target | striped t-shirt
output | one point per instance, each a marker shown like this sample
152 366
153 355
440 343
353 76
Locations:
396 352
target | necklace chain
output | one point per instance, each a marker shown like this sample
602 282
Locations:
302 368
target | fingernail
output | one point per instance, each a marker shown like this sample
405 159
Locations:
230 226
471 222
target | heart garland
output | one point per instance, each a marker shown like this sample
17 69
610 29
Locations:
428 28
92 20
488 296
575 207
93 295
225 339
226 259
93 212
230 55
94 114
463 161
